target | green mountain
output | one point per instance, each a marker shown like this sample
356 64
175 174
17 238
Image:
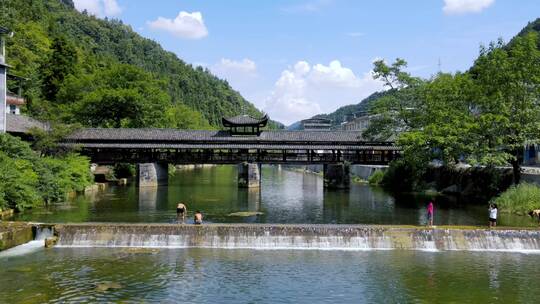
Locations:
533 26
341 114
85 45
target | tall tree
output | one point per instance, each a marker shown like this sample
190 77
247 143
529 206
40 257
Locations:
509 101
61 63
396 110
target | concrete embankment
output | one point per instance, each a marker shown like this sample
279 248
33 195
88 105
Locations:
276 236
14 234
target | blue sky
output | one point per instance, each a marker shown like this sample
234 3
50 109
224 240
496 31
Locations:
294 59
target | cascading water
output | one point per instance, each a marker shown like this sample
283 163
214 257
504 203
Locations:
331 237
38 243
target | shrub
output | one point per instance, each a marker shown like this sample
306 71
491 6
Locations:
519 199
402 176
26 179
376 178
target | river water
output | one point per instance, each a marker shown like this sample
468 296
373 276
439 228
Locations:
284 197
99 275
33 274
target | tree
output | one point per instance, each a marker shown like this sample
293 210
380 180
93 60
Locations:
119 96
508 105
182 117
395 112
61 63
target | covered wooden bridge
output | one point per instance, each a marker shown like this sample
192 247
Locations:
241 142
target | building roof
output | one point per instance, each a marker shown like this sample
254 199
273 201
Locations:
12 99
180 139
245 120
22 124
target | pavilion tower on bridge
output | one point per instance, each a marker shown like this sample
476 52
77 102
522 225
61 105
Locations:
245 124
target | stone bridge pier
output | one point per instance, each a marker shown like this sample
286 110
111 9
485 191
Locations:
337 176
152 174
249 175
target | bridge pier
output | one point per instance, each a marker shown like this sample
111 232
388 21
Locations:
337 176
152 174
249 175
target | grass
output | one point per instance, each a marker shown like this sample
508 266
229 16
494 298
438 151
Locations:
376 178
520 199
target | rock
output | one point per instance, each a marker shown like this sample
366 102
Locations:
453 189
108 285
51 241
245 213
141 250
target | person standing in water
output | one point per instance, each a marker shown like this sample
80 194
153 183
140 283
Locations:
430 210
198 217
493 215
181 211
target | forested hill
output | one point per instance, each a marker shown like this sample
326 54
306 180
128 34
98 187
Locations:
533 26
340 115
68 55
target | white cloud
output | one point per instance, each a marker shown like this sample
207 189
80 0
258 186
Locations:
111 8
304 90
310 6
185 25
452 7
99 8
246 66
355 34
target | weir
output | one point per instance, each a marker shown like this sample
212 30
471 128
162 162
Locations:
269 236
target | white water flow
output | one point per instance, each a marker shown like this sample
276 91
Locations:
323 237
37 244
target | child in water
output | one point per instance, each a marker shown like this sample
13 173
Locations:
198 218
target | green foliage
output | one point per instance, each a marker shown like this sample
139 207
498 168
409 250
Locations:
18 182
404 176
120 96
45 142
519 199
61 63
376 178
485 116
123 170
61 51
26 179
182 117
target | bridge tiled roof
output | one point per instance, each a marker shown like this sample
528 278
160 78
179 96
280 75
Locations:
103 134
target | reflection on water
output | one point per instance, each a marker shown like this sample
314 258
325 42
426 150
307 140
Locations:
284 197
106 275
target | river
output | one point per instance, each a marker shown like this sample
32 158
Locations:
83 275
32 274
285 196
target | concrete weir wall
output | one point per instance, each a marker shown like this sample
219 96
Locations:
15 233
277 236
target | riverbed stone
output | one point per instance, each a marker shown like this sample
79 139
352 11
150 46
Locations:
51 241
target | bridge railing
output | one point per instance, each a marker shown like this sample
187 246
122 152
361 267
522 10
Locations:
238 156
